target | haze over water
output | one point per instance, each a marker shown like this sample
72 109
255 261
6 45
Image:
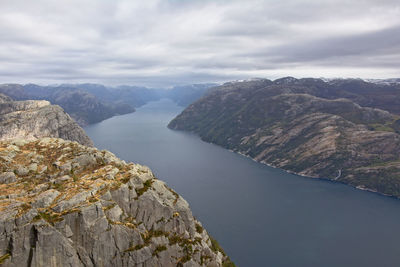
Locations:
261 216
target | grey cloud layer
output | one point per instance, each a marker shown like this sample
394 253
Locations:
160 43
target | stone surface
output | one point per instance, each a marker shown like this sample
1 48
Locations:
7 177
84 218
31 119
84 107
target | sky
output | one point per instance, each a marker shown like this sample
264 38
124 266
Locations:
160 43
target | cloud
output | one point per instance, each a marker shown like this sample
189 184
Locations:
165 42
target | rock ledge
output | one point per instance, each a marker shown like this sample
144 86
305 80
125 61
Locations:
65 204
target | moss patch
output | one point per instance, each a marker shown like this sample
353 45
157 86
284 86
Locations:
4 258
146 186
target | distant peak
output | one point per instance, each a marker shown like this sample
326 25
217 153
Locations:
285 80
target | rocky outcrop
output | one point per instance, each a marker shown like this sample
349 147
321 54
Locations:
284 124
83 107
92 103
35 119
64 204
4 98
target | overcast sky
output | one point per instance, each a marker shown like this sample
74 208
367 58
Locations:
159 43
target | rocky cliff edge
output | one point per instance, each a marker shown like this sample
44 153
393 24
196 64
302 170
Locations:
33 119
64 204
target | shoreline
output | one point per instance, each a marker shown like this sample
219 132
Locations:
358 187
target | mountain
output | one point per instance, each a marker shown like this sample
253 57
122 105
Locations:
36 119
137 96
186 94
129 95
84 107
65 204
382 96
91 103
331 130
390 81
4 98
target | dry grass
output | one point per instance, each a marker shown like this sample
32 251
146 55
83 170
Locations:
83 179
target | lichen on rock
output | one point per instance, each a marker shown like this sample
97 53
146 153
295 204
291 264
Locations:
79 206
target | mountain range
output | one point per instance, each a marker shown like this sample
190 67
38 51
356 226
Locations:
66 203
347 130
32 119
92 103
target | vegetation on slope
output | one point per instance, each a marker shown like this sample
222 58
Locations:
307 127
61 203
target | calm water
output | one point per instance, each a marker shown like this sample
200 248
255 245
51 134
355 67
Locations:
260 215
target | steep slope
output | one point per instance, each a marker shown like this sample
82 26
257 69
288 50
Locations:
4 98
138 96
366 94
64 204
84 107
129 95
184 95
92 103
278 124
35 119
382 96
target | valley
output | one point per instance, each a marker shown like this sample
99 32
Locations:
307 126
262 216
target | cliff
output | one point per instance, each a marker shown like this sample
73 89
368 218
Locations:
64 204
299 126
84 107
35 119
92 103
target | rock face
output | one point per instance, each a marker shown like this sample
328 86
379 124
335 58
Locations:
92 103
299 126
4 98
83 107
64 204
186 94
35 119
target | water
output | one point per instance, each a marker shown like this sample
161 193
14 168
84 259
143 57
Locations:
260 215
